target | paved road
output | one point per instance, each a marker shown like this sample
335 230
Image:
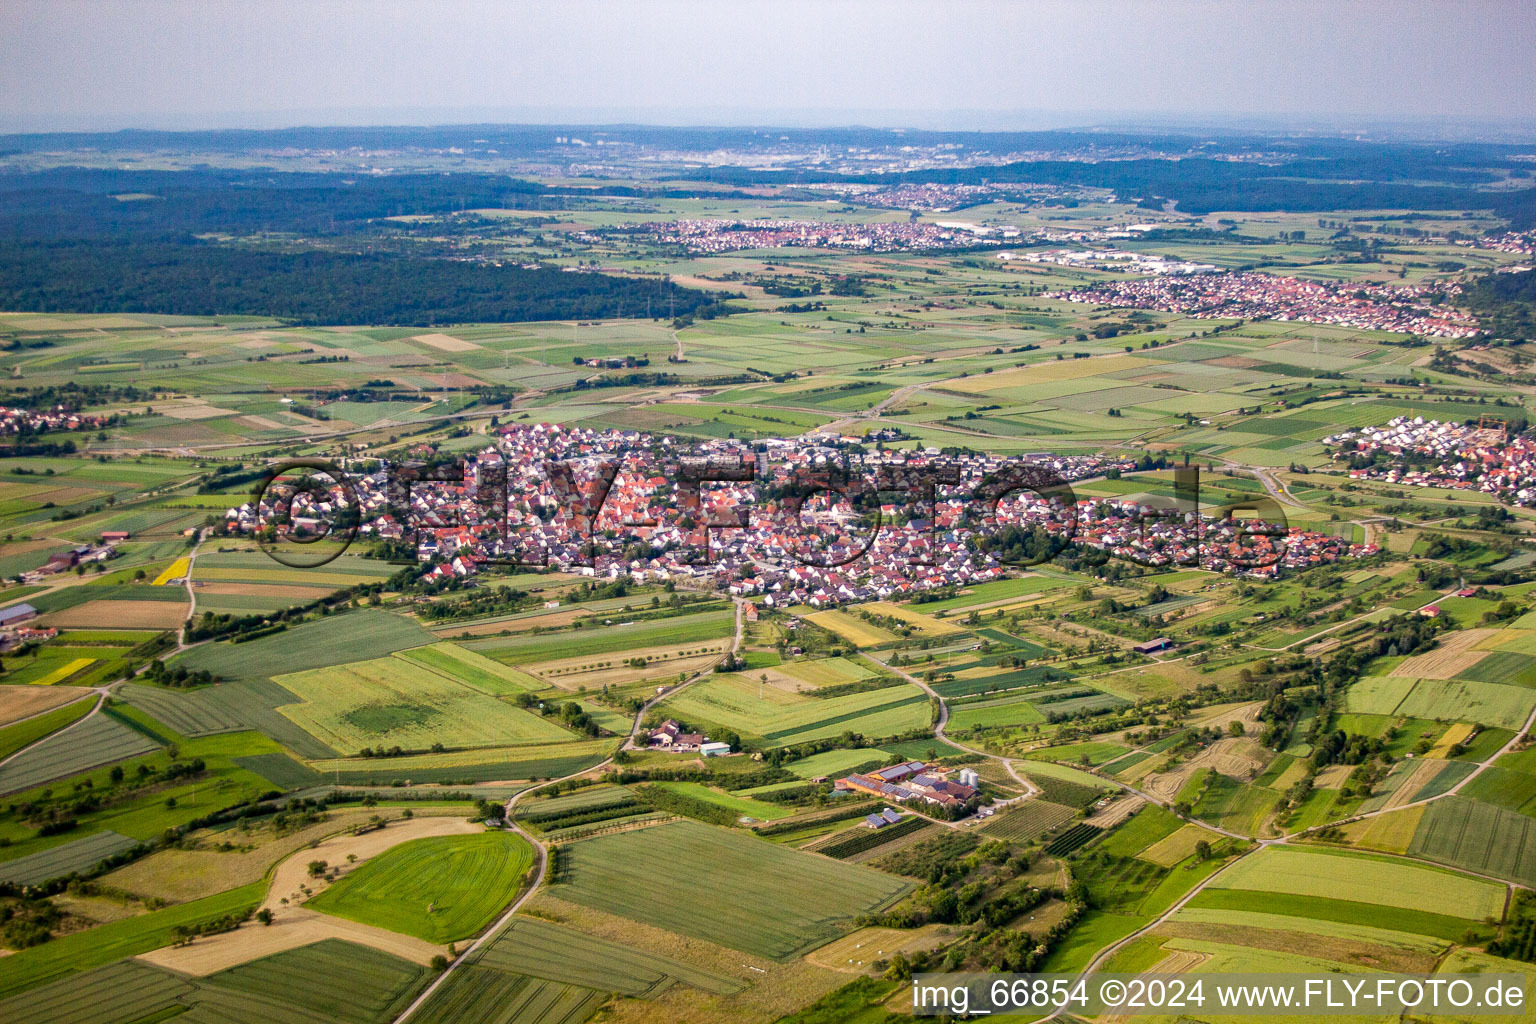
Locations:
541 866
202 535
541 856
1350 622
1030 788
634 732
101 700
1108 951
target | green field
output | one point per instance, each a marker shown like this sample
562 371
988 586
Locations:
993 713
481 995
739 891
281 770
441 888
1030 819
389 702
587 798
986 593
327 982
1345 912
334 640
85 950
826 671
832 763
529 648
97 740
1417 942
1466 700
487 764
782 719
470 668
137 992
556 953
24 733
1240 807
1081 753
739 805
332 980
1361 879
191 713
80 855
1481 837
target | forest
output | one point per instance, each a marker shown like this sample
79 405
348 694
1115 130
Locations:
313 287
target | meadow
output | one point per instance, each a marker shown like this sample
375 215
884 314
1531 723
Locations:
388 702
113 941
440 888
782 719
1362 879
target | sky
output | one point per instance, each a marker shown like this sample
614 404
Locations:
86 65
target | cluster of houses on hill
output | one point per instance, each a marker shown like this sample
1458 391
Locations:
915 780
736 532
890 236
38 421
1522 242
1428 453
1404 309
1111 259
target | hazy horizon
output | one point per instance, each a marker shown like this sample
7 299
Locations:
983 65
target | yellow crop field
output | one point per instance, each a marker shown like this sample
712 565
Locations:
1457 733
925 624
1389 833
851 628
1171 849
63 672
175 571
